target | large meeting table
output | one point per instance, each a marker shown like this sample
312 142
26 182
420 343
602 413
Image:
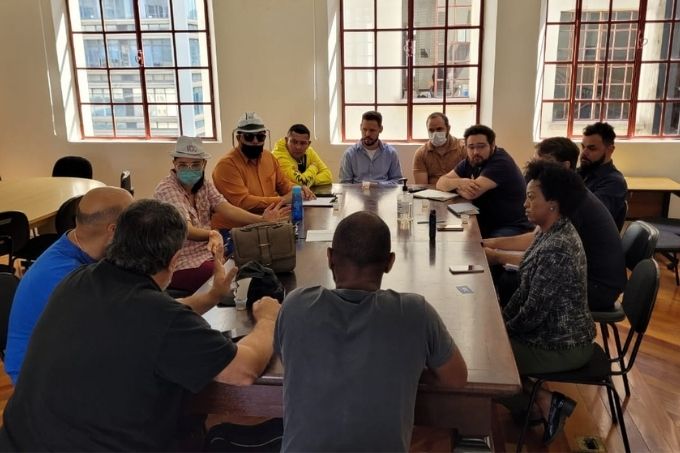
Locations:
467 304
40 197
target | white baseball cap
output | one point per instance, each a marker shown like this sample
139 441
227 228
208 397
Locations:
250 122
191 147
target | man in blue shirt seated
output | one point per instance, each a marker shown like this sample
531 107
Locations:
95 223
598 171
353 356
370 160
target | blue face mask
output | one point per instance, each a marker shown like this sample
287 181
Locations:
189 177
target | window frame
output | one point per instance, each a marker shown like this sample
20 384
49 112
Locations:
410 65
607 63
141 36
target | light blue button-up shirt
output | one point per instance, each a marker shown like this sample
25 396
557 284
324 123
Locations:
357 166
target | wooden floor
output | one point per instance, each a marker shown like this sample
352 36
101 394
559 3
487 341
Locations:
652 413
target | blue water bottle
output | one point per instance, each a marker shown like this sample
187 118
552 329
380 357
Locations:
297 210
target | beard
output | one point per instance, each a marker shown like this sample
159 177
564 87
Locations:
591 165
368 141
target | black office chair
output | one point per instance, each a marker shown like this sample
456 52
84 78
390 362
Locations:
14 225
638 241
8 286
73 166
66 215
126 182
669 242
638 304
6 249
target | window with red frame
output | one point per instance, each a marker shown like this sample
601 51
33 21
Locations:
407 59
142 68
611 60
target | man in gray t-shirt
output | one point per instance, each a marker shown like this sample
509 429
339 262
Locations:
353 356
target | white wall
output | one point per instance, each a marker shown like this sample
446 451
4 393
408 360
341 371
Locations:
269 54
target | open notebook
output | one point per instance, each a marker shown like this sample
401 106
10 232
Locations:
463 208
436 195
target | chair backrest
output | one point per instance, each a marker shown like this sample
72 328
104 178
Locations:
126 181
8 286
66 215
15 225
639 242
73 166
640 294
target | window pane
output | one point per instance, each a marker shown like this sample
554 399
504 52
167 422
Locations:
652 81
428 48
126 86
122 51
648 116
554 119
463 12
359 49
392 13
359 86
622 42
89 51
93 86
118 15
357 14
592 42
659 9
353 121
427 13
589 81
461 82
461 117
392 86
674 82
587 111
157 50
192 49
85 15
164 120
556 81
657 38
394 122
129 120
675 49
625 9
97 120
671 119
462 47
192 82
619 81
418 123
189 14
595 10
154 14
197 122
561 10
616 111
391 48
558 42
426 87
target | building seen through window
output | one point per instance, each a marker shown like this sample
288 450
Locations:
143 68
407 59
611 61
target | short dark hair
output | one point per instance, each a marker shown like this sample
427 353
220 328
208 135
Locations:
300 129
478 129
438 115
362 239
372 115
604 130
147 236
561 149
557 184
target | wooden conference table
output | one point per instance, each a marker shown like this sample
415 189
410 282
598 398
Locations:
473 319
650 196
40 198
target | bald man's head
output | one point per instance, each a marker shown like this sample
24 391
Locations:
102 206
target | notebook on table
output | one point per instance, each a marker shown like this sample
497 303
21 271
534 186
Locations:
463 208
436 195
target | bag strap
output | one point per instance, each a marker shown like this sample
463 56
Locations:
265 246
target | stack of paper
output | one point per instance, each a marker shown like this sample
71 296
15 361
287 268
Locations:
437 195
463 208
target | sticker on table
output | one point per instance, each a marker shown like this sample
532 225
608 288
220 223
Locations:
464 289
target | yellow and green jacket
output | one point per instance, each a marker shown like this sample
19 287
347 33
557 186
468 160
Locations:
316 173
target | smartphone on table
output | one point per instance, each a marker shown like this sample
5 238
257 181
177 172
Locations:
466 268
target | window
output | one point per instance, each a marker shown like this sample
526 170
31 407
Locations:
407 59
143 68
625 70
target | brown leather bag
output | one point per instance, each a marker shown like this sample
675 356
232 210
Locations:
272 244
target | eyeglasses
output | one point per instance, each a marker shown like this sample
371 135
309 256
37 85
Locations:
474 146
249 137
193 166
294 142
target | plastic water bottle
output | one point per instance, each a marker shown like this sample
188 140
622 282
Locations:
404 204
297 210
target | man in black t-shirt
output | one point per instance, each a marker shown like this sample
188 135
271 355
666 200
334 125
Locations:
491 179
112 356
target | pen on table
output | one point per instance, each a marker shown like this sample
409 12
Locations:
427 221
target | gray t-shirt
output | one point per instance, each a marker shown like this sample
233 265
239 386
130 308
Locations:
352 362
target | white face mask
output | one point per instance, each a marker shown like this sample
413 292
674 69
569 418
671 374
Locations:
438 138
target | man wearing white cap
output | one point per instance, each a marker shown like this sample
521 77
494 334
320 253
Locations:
249 176
197 199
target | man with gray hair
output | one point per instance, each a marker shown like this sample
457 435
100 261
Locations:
113 356
440 154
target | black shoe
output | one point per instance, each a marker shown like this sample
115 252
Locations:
561 407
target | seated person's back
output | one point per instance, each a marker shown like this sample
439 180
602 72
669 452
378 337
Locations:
353 356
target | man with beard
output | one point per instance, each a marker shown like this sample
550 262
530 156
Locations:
598 171
491 179
249 176
440 154
370 160
196 199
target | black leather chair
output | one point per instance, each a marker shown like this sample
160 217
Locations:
66 215
126 182
638 304
14 225
73 166
669 242
8 286
638 241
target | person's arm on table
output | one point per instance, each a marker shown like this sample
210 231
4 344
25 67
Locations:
272 213
201 303
256 348
453 373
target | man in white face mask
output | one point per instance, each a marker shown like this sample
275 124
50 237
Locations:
440 154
